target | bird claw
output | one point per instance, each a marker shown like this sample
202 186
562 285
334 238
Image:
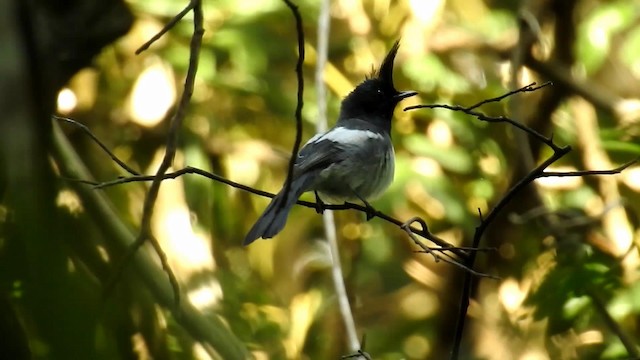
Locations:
319 204
370 211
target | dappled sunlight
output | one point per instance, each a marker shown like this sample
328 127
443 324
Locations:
153 94
206 295
440 133
69 200
423 274
200 353
188 250
429 204
558 258
417 346
244 163
562 182
303 309
511 295
261 258
631 178
419 304
426 166
67 101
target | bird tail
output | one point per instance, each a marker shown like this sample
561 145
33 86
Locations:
274 217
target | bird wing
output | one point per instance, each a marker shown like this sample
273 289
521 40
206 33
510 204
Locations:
335 145
317 154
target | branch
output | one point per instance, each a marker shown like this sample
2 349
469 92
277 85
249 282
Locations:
171 147
344 306
461 252
558 152
168 26
86 130
300 100
207 330
528 88
625 339
438 253
482 117
484 224
617 170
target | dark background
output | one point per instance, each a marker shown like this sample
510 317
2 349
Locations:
566 291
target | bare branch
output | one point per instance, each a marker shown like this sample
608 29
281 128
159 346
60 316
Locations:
86 130
617 170
171 147
300 100
625 339
529 88
167 27
438 256
482 117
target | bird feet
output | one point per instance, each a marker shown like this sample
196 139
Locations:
370 211
319 204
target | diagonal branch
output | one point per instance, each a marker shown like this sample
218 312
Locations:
462 253
208 330
482 117
437 253
171 147
168 26
300 99
104 147
617 170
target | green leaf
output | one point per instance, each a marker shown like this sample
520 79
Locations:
595 33
429 72
454 158
621 146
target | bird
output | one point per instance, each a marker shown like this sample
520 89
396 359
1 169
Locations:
354 160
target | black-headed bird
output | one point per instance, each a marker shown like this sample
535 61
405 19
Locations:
354 160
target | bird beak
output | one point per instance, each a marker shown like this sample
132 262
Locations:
404 94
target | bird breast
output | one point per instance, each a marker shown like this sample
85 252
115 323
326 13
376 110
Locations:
366 169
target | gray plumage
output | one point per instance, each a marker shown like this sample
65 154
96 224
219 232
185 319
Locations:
352 160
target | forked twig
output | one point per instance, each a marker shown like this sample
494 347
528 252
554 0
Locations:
439 253
145 233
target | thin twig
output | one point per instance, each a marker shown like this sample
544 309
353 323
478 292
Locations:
617 170
167 27
461 252
445 247
359 353
207 330
458 251
438 257
86 130
528 88
300 99
482 117
558 152
171 148
625 339
479 232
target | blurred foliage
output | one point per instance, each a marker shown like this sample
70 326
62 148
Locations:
277 295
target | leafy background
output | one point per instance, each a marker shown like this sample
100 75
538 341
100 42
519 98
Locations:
556 286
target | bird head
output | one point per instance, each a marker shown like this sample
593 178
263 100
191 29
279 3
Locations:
376 97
